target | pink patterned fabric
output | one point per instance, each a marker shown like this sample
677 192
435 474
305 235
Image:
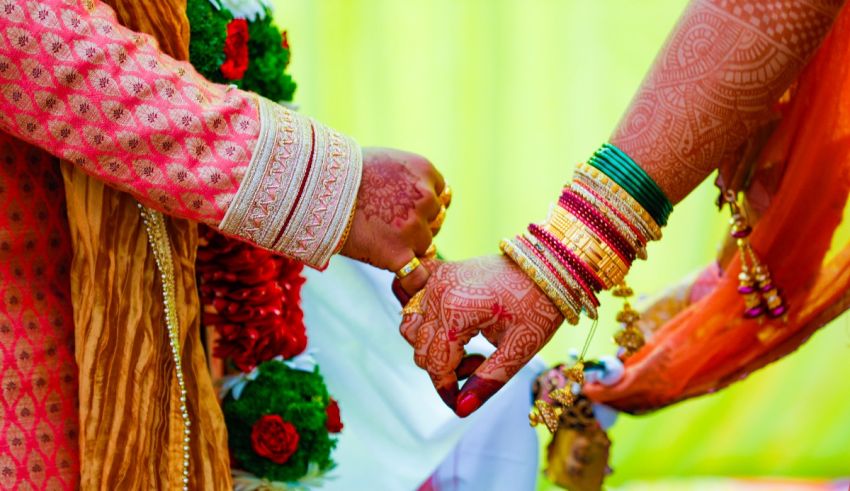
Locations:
76 83
38 375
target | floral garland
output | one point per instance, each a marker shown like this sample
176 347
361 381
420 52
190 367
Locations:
241 46
280 418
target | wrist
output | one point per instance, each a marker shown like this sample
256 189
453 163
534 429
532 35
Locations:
602 222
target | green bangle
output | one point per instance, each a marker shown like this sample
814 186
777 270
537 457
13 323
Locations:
667 205
614 171
633 179
626 167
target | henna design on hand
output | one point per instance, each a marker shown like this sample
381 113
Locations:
388 190
490 296
725 65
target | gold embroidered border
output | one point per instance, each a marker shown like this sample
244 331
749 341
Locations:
270 187
322 214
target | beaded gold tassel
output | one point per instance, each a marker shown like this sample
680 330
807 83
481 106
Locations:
563 397
761 296
161 247
630 337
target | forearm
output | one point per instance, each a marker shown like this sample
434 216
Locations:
723 67
76 83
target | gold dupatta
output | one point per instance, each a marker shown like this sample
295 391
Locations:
131 429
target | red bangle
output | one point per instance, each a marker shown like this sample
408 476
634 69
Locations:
539 252
643 240
549 266
568 258
594 220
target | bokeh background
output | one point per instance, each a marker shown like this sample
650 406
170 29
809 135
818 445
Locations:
505 96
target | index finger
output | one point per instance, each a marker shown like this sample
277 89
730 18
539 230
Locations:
516 348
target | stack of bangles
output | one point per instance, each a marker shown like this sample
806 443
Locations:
601 223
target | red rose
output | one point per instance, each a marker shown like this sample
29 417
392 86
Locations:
274 438
334 422
235 50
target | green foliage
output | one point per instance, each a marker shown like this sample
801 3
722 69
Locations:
298 397
208 30
267 58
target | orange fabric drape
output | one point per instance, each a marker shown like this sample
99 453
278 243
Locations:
709 344
131 434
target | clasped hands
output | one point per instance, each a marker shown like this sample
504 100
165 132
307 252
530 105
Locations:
399 210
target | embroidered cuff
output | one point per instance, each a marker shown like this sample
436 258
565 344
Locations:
299 189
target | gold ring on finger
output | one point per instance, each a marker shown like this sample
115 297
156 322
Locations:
446 196
408 268
437 222
431 252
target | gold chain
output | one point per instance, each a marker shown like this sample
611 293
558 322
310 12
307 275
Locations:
161 247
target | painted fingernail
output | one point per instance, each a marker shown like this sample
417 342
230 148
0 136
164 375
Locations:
449 395
467 404
475 392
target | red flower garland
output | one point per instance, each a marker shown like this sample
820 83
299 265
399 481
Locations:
253 300
274 438
235 50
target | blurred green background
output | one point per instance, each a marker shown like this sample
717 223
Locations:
505 96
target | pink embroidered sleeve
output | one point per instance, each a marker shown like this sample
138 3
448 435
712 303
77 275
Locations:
78 84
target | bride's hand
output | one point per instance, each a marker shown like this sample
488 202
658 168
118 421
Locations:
490 295
396 206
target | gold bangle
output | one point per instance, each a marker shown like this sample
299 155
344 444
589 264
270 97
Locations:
621 205
408 268
569 312
437 222
594 175
347 230
567 276
446 196
605 208
431 252
584 240
605 263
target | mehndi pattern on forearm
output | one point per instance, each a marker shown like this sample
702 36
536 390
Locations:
725 65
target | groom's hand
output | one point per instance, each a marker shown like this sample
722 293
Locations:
396 205
490 295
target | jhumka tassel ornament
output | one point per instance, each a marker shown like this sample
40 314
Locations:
555 391
575 374
630 337
761 296
545 413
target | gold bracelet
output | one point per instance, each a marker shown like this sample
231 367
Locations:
569 312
